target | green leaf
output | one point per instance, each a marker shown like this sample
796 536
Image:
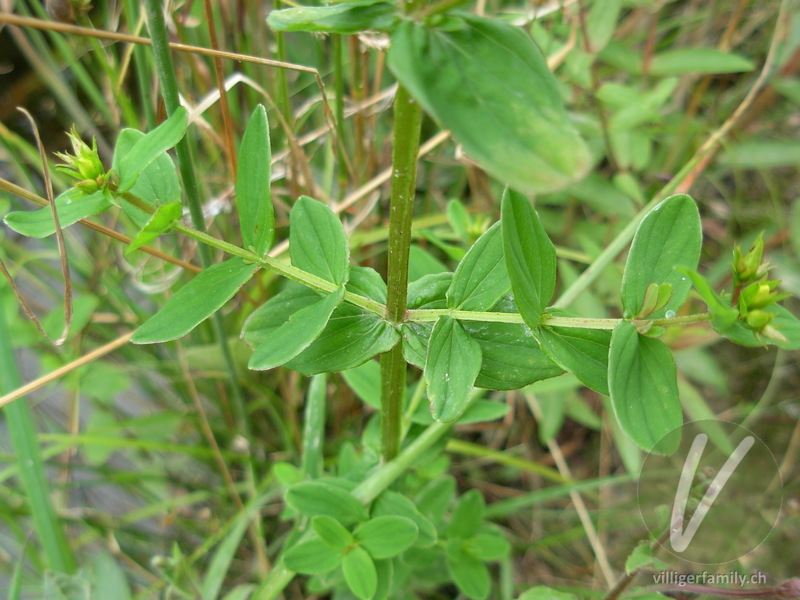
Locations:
311 558
469 574
583 352
391 503
530 257
161 222
668 238
149 147
157 184
332 532
195 302
453 363
313 498
345 18
481 278
365 381
643 556
296 334
644 389
488 83
367 282
317 242
487 547
351 337
708 61
386 536
541 592
359 573
314 427
467 515
435 497
253 198
72 206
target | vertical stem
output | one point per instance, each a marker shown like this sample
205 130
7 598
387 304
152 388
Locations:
405 145
169 89
31 466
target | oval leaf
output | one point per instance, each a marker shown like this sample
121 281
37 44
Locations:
643 383
195 302
311 557
470 575
160 222
530 257
332 532
346 18
668 238
317 242
296 334
453 363
313 498
149 147
387 536
467 515
253 198
481 278
359 573
488 83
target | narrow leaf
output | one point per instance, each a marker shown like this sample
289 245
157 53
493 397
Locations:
487 82
643 383
317 241
161 222
668 238
530 257
481 278
72 206
253 198
150 146
195 302
707 61
453 363
345 18
294 336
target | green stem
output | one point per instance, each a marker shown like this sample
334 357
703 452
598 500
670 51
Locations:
31 466
405 146
169 90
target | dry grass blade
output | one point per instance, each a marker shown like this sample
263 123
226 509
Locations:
62 249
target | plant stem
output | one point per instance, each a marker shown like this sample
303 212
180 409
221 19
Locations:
405 145
31 466
169 90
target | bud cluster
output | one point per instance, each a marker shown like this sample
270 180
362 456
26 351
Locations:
755 291
84 165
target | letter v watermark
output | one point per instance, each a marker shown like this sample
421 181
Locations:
678 537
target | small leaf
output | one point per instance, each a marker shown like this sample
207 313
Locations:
642 556
467 515
453 363
583 352
386 536
487 82
311 557
487 547
367 282
294 336
161 222
359 573
541 592
332 532
149 147
391 503
644 390
469 574
253 198
709 61
530 257
72 206
481 278
317 241
195 302
668 238
434 499
313 498
346 18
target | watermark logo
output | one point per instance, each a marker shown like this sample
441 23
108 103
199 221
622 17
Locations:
720 493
